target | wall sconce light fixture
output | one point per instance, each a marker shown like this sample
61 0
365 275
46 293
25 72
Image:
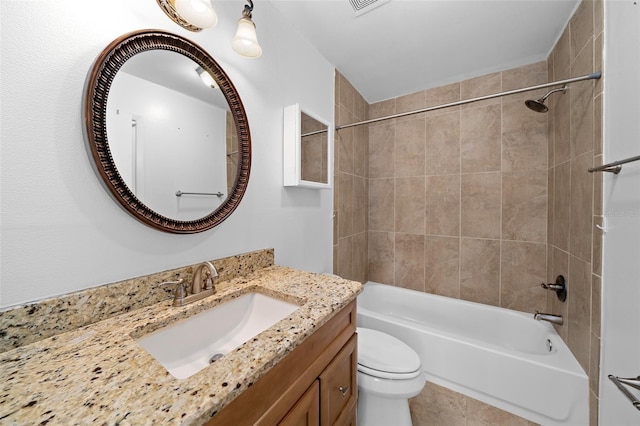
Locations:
245 41
195 15
206 78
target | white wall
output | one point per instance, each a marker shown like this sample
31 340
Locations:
620 354
60 230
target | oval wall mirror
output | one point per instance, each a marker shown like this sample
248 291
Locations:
167 131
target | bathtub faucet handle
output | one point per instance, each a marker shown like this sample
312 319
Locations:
560 287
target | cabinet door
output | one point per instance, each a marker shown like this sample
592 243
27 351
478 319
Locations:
306 412
338 388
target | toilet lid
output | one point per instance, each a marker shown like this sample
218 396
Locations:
383 353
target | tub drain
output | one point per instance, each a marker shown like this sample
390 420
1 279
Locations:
215 357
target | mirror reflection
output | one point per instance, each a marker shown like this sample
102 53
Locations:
313 149
171 135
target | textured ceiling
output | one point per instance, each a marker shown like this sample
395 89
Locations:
404 46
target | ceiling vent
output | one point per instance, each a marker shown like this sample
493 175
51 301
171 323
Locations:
361 7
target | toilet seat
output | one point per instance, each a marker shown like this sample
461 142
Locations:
384 356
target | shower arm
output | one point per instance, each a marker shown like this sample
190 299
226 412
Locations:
593 76
559 89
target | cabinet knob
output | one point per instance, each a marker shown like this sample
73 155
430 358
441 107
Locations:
343 390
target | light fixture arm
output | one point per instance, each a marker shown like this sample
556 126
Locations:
248 8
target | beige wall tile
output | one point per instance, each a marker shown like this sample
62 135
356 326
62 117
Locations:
344 142
480 139
442 266
410 147
443 95
381 151
581 25
443 143
381 257
561 111
550 192
582 105
598 48
522 270
596 304
442 205
480 271
528 75
360 204
597 126
524 206
359 257
579 301
409 261
410 205
480 205
524 138
596 246
361 151
411 102
345 205
594 365
345 261
562 55
598 17
561 205
580 232
381 204
561 267
480 86
382 109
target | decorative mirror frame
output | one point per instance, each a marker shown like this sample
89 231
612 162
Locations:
96 93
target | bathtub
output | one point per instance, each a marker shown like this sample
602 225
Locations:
501 357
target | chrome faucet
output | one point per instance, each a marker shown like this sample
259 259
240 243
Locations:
555 319
209 274
204 273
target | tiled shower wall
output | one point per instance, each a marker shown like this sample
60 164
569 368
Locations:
351 184
485 201
458 196
575 206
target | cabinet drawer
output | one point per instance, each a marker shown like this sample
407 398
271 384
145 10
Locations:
338 388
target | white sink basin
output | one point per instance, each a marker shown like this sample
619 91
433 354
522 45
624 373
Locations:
189 345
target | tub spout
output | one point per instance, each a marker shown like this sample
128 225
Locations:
555 319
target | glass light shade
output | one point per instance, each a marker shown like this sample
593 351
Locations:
199 13
245 41
206 78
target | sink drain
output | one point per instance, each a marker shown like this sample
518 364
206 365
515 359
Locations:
215 357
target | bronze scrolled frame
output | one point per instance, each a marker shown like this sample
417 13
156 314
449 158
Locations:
96 91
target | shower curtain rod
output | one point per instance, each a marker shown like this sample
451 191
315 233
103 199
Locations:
593 76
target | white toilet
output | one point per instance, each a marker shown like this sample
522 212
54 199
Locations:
389 373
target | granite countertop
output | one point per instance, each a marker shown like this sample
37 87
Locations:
99 374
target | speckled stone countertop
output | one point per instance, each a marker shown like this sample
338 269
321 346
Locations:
99 374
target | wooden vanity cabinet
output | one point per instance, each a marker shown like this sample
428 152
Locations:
314 385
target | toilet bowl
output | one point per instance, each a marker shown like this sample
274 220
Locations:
389 373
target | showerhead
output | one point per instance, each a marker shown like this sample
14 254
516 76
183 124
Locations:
538 105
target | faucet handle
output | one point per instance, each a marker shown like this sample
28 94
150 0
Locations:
560 287
181 290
